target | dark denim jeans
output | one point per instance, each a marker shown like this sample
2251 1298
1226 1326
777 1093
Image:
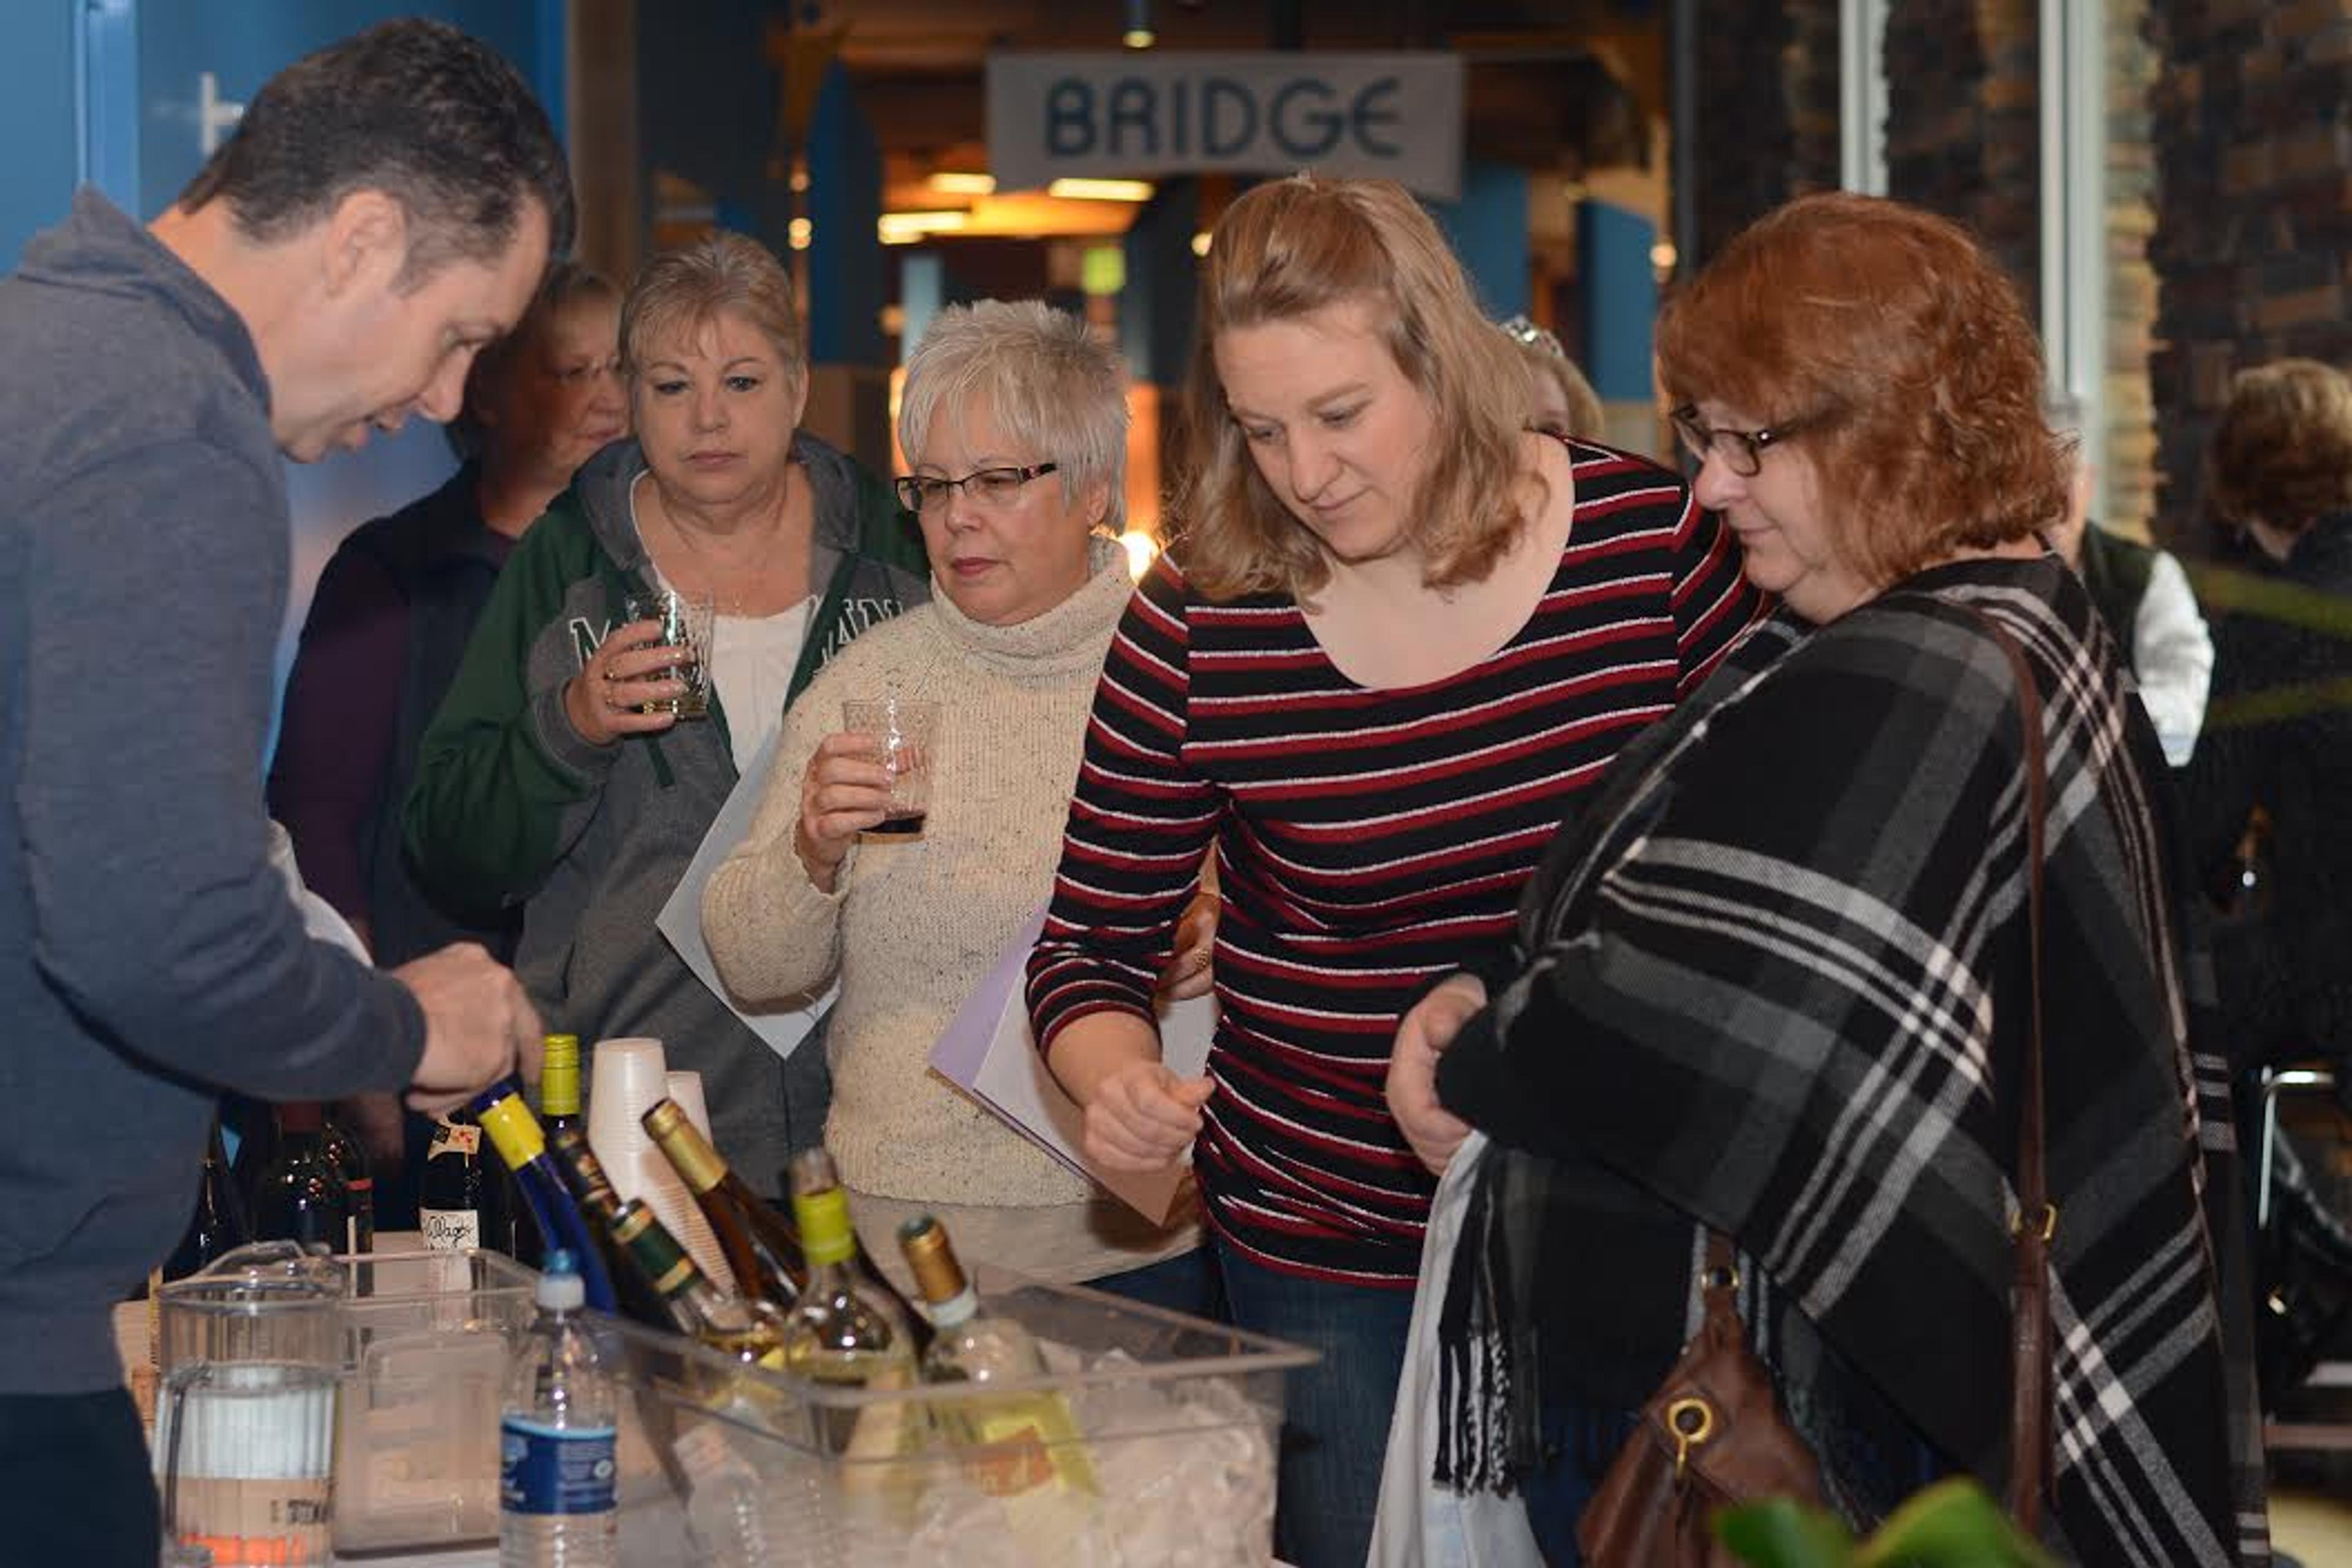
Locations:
74 1481
1186 1283
1336 1432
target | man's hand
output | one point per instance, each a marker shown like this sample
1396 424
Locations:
1423 1036
479 1027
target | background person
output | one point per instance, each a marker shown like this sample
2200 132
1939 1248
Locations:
383 209
1776 980
1402 637
2144 596
387 626
1565 402
540 781
1014 425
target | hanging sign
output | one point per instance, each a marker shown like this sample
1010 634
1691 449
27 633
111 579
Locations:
1117 113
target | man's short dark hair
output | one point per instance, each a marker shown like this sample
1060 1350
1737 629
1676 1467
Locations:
436 119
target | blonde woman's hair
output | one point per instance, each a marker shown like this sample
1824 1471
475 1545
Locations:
1290 248
687 289
1056 392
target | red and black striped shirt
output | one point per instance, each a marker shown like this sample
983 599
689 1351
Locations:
1368 840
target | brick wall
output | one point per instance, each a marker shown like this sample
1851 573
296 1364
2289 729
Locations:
1962 134
1768 112
2252 245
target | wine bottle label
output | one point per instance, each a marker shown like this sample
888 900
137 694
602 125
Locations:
450 1230
554 1469
451 1138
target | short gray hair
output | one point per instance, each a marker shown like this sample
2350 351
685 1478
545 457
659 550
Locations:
1053 387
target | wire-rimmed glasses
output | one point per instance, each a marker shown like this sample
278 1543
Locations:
988 487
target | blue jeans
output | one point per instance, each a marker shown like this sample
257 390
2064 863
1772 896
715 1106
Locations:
1336 1431
1186 1283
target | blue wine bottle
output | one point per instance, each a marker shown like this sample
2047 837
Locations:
515 1133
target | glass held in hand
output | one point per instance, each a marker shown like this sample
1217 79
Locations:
904 731
686 621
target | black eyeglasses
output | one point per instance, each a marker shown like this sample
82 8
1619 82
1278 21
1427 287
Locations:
988 487
1743 449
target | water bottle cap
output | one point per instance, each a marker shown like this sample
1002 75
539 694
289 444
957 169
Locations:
560 1287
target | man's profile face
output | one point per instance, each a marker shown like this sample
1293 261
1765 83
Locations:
389 346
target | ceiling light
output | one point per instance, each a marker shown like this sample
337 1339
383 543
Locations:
800 233
1200 243
1138 33
1101 190
905 227
962 183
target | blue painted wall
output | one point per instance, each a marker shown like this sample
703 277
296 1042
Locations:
36 120
110 91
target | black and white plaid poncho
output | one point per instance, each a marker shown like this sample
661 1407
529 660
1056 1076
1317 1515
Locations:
1776 981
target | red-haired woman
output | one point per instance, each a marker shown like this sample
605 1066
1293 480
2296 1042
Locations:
1776 983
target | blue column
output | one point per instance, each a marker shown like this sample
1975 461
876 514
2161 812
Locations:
1488 227
1155 308
845 265
1618 296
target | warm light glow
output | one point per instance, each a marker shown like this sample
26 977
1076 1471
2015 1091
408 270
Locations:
1200 243
1138 38
800 179
1141 549
1101 190
799 232
962 183
905 227
1663 256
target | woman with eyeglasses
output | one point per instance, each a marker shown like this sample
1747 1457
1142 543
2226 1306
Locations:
1401 638
560 775
1779 980
1013 421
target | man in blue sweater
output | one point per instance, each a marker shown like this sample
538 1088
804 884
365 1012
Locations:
385 209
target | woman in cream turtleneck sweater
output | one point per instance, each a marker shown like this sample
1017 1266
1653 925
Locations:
1014 421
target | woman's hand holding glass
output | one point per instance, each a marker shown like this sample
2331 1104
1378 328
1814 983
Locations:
1423 1035
845 792
629 670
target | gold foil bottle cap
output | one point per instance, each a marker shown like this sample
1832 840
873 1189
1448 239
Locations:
938 1274
683 1141
559 1076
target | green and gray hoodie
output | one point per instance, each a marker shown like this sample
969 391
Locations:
512 806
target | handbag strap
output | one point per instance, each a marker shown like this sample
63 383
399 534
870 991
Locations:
2037 1221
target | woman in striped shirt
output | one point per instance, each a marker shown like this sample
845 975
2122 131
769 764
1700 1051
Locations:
1405 637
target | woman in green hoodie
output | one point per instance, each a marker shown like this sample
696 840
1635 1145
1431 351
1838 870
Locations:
544 782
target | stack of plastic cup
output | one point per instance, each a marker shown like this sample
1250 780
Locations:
686 1088
627 1077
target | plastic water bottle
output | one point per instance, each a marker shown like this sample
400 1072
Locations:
556 1462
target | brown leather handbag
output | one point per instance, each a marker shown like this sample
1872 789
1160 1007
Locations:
1711 1438
1713 1435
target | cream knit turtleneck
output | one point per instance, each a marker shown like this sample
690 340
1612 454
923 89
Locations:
916 924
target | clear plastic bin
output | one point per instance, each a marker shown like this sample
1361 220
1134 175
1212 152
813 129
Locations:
416 1438
727 1464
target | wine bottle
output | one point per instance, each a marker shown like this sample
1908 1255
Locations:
515 1134
584 1178
748 1329
219 1222
842 1330
300 1196
1013 1443
763 1249
558 1085
353 1162
457 1206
